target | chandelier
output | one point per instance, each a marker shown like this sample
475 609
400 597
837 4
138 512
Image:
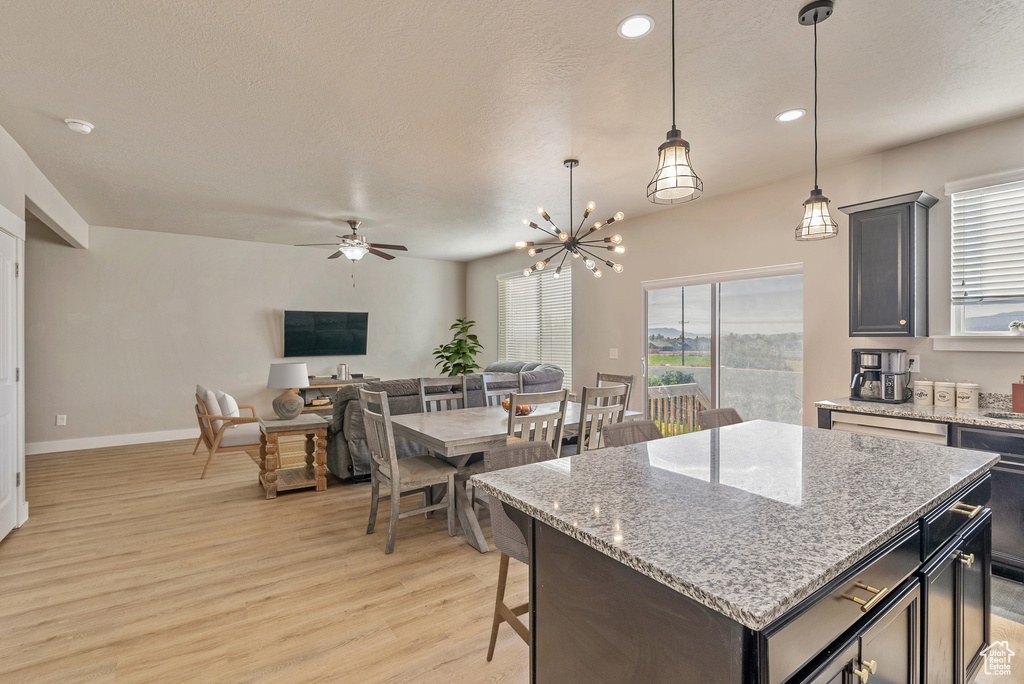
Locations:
578 244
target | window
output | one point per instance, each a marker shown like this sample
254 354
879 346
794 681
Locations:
535 319
737 335
987 285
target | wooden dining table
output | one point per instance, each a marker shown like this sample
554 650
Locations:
457 435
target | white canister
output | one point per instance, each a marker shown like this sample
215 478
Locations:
967 395
923 392
945 394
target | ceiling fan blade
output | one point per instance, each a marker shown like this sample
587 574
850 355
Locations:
335 255
380 246
319 244
381 254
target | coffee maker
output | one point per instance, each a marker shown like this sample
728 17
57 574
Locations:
880 375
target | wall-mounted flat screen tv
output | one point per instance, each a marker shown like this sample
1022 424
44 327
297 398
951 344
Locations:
324 333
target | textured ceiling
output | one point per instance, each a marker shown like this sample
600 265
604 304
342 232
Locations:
441 124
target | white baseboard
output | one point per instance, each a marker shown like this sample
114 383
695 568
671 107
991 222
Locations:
32 448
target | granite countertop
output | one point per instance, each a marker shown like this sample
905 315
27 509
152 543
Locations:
748 519
940 414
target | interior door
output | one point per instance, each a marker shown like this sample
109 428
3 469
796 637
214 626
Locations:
8 385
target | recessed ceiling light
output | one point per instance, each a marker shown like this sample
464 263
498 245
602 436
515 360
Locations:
79 126
791 115
636 26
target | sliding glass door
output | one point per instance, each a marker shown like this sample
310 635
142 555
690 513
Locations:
737 336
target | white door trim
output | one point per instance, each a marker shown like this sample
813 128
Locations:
14 225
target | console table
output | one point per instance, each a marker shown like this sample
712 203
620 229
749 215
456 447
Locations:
312 474
321 384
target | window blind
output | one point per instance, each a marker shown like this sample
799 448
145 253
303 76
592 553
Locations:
535 319
988 244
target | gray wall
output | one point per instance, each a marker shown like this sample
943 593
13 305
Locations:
118 335
754 228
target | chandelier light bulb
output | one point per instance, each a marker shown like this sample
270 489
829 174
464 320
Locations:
563 236
591 206
558 272
526 222
597 226
527 271
540 210
597 273
532 252
619 249
575 254
520 244
617 268
540 265
619 216
589 263
616 239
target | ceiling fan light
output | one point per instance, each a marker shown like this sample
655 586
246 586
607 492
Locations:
354 252
674 181
817 223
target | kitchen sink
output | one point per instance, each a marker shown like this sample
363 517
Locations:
1006 416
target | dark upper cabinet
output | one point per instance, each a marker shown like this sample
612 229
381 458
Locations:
889 266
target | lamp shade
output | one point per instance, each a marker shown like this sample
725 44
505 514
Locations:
674 181
817 223
288 376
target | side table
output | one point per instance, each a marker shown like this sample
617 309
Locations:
313 474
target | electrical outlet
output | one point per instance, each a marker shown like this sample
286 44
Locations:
613 353
62 420
914 364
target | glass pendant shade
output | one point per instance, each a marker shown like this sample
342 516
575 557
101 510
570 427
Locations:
674 181
354 252
817 224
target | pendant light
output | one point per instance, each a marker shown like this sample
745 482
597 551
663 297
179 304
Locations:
674 182
817 224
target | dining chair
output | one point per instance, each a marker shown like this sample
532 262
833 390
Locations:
545 424
605 379
410 475
443 401
631 432
599 408
720 417
508 537
223 434
494 397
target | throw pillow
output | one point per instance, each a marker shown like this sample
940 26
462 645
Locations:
228 405
213 408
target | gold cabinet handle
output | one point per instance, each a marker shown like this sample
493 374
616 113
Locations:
869 668
967 559
903 321
865 606
966 509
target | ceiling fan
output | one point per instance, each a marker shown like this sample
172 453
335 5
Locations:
355 246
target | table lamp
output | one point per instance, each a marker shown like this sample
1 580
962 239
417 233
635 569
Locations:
288 376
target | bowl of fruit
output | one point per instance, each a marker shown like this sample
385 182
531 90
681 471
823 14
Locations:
521 409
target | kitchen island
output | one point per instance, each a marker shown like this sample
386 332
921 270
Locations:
760 553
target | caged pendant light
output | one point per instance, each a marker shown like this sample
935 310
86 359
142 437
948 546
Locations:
674 181
817 223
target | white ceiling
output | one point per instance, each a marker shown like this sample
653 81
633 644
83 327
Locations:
442 124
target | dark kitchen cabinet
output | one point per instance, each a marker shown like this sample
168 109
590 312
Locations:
957 602
886 650
1007 502
889 266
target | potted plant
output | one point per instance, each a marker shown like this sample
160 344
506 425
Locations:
1017 327
458 356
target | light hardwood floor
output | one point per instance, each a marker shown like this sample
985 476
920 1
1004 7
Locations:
132 569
